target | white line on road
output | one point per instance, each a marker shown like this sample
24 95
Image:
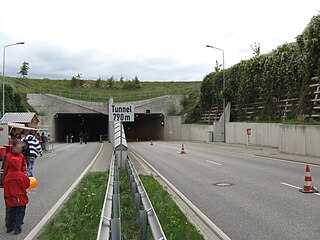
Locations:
293 186
52 155
213 162
52 211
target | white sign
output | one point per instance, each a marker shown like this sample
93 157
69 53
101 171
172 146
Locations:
121 112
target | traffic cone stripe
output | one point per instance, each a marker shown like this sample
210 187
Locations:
308 188
182 149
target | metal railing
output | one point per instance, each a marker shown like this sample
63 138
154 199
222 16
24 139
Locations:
148 214
110 225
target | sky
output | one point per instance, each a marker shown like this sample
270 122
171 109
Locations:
154 40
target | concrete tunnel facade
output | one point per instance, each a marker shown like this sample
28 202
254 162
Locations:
65 116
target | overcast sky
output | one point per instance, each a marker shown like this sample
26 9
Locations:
155 40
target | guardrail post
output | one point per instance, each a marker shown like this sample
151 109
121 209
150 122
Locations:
116 205
133 190
143 224
115 229
137 200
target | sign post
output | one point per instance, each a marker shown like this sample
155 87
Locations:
122 113
248 136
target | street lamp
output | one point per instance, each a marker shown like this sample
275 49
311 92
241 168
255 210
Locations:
3 70
224 87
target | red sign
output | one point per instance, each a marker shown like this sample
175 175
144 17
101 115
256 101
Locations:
248 131
1 129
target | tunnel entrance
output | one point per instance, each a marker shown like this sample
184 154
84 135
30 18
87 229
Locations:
70 123
145 127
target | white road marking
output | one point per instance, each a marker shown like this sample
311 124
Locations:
52 211
299 188
52 155
214 162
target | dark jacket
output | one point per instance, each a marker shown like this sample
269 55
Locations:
15 185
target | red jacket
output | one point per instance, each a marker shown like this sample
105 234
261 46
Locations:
20 158
15 185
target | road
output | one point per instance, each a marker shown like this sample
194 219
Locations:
55 172
257 206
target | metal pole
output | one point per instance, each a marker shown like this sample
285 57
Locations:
3 72
224 99
120 147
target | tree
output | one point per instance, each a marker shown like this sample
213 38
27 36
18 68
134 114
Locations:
24 69
98 83
256 49
217 67
77 81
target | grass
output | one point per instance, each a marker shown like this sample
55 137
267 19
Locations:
173 221
129 225
289 121
79 219
64 88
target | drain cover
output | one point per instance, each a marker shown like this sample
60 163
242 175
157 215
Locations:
222 184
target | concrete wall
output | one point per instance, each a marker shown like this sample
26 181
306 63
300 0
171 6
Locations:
262 134
175 130
293 139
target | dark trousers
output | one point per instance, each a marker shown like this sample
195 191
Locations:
15 217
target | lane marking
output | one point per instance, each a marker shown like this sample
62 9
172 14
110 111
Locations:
207 221
214 162
299 188
55 207
265 157
52 155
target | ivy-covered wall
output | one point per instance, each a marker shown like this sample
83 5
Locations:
14 101
285 71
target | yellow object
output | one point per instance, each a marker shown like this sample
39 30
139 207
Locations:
33 183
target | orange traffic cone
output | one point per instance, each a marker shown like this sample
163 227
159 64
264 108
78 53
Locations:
308 188
151 143
182 150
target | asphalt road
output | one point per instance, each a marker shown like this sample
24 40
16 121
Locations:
55 173
257 206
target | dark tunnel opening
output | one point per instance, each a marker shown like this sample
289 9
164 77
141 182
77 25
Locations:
145 127
94 124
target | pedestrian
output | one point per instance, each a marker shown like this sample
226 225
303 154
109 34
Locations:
67 138
81 137
15 196
17 156
31 151
44 142
85 137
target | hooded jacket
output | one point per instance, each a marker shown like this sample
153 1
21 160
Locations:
20 158
15 185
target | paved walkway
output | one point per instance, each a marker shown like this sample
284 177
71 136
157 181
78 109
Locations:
103 161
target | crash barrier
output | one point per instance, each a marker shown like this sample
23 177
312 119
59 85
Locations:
110 225
147 215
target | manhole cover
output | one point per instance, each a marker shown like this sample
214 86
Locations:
222 184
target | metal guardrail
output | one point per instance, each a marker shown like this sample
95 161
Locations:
110 225
148 215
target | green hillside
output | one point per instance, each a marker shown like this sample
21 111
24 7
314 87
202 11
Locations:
101 90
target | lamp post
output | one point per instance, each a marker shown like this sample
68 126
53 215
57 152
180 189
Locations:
3 70
224 87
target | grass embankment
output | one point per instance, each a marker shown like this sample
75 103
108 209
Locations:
89 92
79 219
173 221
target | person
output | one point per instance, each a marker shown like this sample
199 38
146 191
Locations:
15 196
15 153
67 138
85 137
31 150
43 142
81 137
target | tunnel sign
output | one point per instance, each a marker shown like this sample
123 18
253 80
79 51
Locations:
121 112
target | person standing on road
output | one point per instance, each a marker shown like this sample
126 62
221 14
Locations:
15 196
44 142
85 137
31 150
81 137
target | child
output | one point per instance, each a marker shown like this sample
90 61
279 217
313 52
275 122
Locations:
15 195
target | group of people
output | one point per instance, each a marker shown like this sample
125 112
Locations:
17 167
83 137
